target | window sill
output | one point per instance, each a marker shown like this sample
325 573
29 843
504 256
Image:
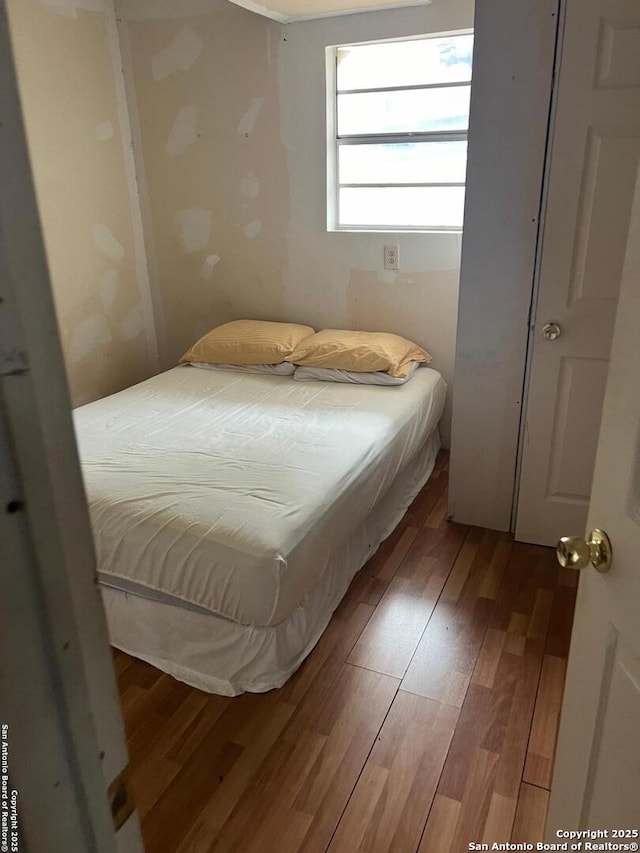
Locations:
355 230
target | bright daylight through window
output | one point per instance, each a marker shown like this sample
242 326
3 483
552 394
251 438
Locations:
400 128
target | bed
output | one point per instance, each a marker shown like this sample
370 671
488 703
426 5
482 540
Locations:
231 511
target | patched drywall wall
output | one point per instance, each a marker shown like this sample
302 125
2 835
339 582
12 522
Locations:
215 168
231 129
338 278
72 93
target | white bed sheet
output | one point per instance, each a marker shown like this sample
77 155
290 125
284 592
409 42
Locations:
230 492
221 656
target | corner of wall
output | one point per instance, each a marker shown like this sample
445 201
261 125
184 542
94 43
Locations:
138 183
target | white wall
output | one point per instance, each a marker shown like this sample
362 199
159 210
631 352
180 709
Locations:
252 165
73 98
202 82
337 278
512 72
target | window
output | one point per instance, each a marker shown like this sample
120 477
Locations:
397 144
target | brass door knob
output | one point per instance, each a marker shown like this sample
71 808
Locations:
551 331
574 552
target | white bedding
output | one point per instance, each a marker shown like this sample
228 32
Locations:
352 377
220 656
229 492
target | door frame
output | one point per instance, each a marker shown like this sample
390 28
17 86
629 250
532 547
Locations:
508 134
65 737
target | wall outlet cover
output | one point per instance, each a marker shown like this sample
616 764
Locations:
391 257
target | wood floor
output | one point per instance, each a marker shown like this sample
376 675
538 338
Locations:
424 719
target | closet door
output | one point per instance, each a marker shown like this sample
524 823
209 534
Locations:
595 152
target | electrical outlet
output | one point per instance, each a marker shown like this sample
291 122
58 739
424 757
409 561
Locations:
392 257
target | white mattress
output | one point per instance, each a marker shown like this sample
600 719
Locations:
220 656
229 492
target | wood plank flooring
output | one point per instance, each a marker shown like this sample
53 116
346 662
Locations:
425 718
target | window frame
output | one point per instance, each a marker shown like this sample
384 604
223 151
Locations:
334 141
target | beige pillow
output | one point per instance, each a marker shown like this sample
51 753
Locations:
247 342
362 352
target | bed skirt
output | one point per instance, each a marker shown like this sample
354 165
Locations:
219 656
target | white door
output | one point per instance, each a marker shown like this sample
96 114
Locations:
594 156
596 784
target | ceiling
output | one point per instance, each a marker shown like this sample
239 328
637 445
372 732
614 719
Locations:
296 10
